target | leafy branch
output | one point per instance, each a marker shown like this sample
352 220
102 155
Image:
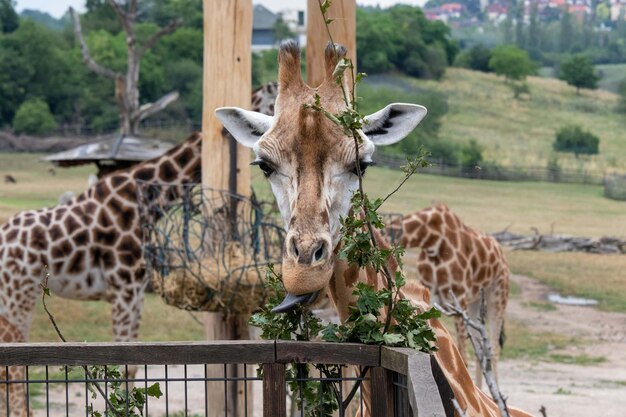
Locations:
120 402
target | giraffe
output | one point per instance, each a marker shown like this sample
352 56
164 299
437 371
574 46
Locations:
456 258
91 245
310 164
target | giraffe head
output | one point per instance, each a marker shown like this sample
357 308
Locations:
311 163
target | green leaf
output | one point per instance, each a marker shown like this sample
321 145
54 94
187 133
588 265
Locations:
392 339
154 390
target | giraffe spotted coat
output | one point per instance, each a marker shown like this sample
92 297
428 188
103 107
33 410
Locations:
454 258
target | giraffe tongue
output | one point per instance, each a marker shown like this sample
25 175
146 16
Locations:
292 301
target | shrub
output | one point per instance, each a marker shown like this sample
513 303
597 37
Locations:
476 59
578 71
34 117
471 154
511 62
574 139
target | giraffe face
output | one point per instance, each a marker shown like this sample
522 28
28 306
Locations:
311 165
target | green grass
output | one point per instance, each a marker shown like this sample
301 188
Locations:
541 306
521 132
612 75
91 321
582 360
600 277
524 343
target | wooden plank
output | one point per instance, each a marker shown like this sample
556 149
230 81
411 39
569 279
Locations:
423 390
395 359
382 392
343 30
331 353
226 82
136 353
274 390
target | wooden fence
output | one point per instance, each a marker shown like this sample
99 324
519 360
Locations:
403 380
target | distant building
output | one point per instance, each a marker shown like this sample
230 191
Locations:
618 9
263 28
445 12
496 13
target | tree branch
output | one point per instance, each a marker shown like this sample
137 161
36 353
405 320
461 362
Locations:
482 349
87 58
125 19
148 109
152 40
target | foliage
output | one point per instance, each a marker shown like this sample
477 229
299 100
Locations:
578 71
404 40
471 154
120 402
511 62
282 30
34 117
9 21
477 58
574 139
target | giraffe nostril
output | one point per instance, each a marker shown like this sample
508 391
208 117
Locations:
294 248
319 253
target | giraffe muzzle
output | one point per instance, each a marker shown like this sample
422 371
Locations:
292 301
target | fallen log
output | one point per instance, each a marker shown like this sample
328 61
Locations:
561 243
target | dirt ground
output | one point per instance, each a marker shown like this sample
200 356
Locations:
566 390
597 390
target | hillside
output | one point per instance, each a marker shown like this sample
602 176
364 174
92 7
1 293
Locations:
521 132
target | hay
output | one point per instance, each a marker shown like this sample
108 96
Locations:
230 283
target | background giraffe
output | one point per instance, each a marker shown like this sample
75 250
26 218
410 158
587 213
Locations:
456 258
310 164
91 246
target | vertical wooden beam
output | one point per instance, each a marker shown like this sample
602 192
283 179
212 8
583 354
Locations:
226 82
274 390
382 392
342 29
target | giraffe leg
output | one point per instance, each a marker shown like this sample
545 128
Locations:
496 307
126 314
14 392
474 313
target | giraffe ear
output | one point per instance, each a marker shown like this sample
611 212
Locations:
246 126
393 123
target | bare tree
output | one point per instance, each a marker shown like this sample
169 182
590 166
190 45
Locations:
127 85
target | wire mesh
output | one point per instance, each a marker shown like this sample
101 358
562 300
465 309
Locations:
206 249
183 390
73 391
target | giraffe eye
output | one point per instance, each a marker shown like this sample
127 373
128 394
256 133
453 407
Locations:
362 167
267 168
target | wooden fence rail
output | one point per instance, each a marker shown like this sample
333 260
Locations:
386 365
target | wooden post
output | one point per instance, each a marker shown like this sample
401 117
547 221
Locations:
343 30
274 390
226 82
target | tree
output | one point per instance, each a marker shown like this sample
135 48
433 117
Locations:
578 71
511 62
282 30
574 139
9 20
131 112
566 31
34 117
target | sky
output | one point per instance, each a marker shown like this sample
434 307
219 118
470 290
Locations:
57 8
